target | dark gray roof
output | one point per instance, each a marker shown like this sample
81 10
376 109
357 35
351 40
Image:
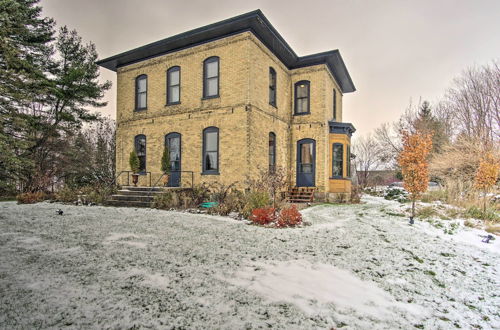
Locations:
341 128
255 22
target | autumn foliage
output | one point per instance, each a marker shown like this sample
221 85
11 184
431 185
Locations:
487 174
289 217
414 163
263 216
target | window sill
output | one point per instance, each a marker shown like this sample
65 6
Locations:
210 97
302 114
273 105
210 173
173 103
140 109
339 178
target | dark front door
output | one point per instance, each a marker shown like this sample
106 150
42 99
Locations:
306 160
173 143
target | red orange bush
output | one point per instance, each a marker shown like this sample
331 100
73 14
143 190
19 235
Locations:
289 217
263 216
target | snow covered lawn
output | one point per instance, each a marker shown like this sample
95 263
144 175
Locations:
355 267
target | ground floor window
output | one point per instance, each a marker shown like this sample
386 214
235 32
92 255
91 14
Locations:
140 150
211 150
272 152
337 160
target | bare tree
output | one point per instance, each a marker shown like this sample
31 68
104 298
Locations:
474 99
367 154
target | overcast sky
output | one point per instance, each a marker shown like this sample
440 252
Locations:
394 50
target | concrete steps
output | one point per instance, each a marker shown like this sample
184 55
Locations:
130 196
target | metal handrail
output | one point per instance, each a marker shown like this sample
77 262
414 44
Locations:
163 174
118 175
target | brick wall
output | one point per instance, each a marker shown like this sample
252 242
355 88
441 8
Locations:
242 112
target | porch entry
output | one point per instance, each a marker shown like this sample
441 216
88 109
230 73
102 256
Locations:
306 163
173 143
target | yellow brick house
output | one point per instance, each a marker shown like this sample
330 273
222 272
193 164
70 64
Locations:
229 99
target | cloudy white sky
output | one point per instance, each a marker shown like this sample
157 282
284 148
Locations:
395 50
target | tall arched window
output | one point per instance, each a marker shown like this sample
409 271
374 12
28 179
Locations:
174 85
272 87
210 150
302 97
338 160
140 150
141 92
211 77
272 152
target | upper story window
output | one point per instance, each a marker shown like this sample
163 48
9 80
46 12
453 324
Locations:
338 160
174 85
272 152
334 105
141 92
211 150
140 150
272 87
211 77
302 89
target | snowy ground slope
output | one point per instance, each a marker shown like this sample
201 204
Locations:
356 267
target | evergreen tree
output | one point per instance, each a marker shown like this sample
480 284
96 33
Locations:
25 52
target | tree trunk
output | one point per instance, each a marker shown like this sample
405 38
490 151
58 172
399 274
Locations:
484 202
413 208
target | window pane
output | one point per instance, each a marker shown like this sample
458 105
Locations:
212 69
306 153
142 163
175 165
272 96
174 77
141 100
140 146
302 90
141 85
338 161
302 105
306 168
211 141
173 94
272 79
212 87
211 161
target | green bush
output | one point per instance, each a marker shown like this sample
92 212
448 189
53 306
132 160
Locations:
134 162
399 195
255 200
426 212
478 213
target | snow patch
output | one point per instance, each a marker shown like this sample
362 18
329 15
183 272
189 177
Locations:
312 287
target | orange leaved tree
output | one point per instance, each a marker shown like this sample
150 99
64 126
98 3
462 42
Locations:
414 164
486 175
